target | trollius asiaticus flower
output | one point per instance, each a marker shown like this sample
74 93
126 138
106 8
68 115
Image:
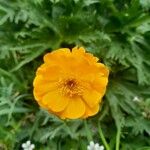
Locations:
70 83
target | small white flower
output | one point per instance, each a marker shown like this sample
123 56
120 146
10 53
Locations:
93 146
28 146
136 99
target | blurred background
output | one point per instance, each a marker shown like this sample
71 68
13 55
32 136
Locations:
118 32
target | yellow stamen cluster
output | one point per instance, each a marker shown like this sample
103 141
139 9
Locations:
71 88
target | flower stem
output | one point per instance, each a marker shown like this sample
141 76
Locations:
118 137
102 137
88 132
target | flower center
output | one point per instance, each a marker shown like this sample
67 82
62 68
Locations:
70 84
71 88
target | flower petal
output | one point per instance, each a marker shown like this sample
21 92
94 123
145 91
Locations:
103 69
91 111
100 84
43 88
49 73
24 145
56 56
80 51
55 101
74 110
91 97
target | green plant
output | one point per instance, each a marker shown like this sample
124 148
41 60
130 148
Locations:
118 32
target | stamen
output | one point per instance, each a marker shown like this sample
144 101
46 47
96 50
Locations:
71 87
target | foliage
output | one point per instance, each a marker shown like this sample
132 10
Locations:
118 32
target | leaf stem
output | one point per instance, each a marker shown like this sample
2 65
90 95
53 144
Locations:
88 132
118 137
102 137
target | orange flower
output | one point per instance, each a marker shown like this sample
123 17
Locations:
70 84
